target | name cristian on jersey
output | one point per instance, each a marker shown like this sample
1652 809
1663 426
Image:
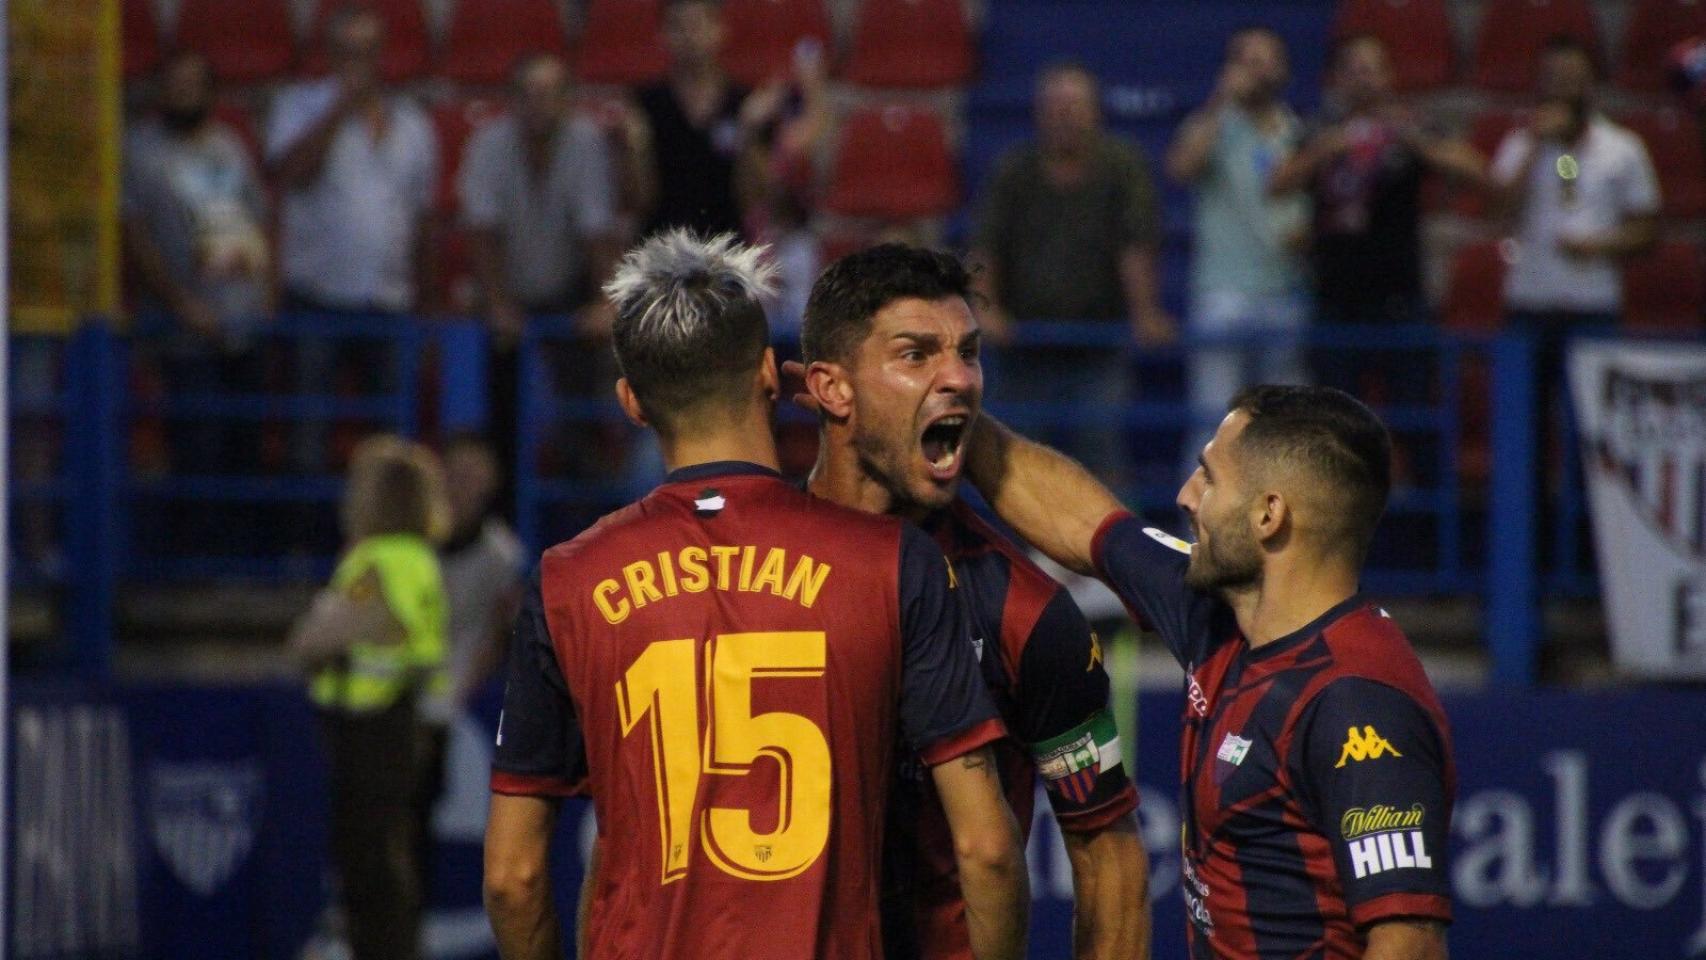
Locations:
742 569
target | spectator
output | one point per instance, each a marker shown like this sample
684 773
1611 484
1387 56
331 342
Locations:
358 168
1070 231
194 215
1580 196
1363 166
699 129
538 192
1247 270
373 644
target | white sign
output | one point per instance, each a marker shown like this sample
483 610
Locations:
1641 414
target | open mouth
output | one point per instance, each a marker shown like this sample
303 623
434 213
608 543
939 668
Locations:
941 444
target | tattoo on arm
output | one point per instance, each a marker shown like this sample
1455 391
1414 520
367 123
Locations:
979 759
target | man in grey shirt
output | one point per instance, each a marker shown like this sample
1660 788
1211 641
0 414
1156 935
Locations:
538 190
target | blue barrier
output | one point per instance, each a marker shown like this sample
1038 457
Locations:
188 823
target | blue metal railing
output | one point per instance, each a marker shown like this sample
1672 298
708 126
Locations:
1441 511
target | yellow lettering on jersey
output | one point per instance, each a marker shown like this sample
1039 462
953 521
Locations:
613 612
746 568
770 572
666 566
1366 745
642 585
723 555
806 580
695 577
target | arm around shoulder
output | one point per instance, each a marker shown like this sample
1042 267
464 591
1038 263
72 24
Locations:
1048 498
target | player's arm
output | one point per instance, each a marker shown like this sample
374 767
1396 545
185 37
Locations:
1373 773
1406 940
341 618
589 889
1061 715
993 877
518 878
947 717
1046 496
1110 889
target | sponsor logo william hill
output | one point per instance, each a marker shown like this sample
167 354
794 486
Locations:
1384 838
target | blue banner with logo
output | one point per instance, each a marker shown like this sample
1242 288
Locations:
185 823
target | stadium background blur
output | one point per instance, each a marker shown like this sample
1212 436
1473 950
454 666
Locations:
165 792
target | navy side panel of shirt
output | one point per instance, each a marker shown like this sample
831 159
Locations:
942 694
539 748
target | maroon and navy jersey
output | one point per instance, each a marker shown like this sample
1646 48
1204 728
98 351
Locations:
1043 666
724 667
1317 769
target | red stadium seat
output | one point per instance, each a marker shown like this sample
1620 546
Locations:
455 121
141 38
487 37
763 34
620 43
1474 300
246 42
1654 27
910 43
408 46
893 164
1513 31
1418 32
1673 140
1667 289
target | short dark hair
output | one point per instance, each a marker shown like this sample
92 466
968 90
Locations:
690 328
857 287
1334 437
1569 43
1257 30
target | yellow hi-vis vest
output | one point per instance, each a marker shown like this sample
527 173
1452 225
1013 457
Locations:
375 675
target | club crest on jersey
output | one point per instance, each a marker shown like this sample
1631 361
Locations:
709 503
1071 763
1230 756
1365 745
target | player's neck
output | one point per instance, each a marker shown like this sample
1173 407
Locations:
748 440
838 478
1290 596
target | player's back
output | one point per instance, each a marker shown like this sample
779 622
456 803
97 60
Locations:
733 649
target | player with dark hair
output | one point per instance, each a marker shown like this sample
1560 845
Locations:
892 351
725 666
1318 778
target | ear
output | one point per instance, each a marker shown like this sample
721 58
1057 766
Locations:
830 386
630 403
768 378
1270 516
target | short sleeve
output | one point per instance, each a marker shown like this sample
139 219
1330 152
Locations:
540 751
1140 216
295 111
1638 187
945 708
1061 717
1372 771
1507 159
1146 568
477 185
595 195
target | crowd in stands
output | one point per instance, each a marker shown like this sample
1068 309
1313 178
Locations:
391 180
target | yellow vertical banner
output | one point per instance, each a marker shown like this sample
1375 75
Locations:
63 161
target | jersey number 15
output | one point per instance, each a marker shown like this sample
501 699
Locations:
662 686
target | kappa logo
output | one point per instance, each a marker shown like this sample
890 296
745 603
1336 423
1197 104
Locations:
1095 652
1365 745
204 818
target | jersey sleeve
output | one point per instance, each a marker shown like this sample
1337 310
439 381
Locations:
1062 719
945 709
1371 769
1146 568
539 748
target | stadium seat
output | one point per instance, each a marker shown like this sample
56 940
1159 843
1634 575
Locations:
1654 27
893 164
1673 140
246 42
620 43
910 43
141 38
487 37
1474 299
455 121
408 45
1666 290
763 34
1417 31
1513 31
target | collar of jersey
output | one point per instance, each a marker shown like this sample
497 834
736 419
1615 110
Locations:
719 468
1308 630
